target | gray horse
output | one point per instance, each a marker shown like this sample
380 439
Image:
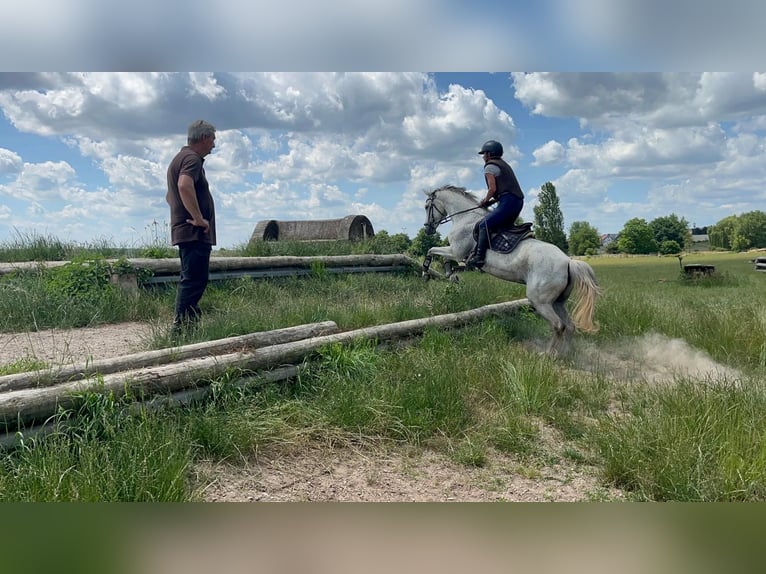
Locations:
549 274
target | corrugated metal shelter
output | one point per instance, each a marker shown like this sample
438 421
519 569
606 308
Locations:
351 228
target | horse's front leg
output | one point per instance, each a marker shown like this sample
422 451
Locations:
444 252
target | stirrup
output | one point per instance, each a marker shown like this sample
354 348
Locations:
472 262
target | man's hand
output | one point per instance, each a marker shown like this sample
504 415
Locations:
202 222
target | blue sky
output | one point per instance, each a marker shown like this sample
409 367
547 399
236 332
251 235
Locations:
83 155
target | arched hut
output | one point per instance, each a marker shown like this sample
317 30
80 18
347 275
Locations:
350 228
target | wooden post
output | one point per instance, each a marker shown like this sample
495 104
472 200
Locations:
127 282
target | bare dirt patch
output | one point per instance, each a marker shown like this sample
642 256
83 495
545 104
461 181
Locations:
348 474
64 346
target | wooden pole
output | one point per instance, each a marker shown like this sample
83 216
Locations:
37 404
185 397
170 266
54 375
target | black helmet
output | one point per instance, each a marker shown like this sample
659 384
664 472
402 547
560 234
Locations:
494 148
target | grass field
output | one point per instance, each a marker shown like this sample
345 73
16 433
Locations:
667 400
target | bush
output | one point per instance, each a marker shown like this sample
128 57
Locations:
79 279
670 247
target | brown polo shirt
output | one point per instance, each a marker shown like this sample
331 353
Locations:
189 162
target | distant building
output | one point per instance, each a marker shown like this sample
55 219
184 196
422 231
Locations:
608 238
700 238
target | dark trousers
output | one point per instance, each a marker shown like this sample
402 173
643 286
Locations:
195 268
504 215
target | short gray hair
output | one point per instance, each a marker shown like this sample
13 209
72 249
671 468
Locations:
199 130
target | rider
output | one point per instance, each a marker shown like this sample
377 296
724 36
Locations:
503 188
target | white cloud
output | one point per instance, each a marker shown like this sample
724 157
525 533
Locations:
10 161
43 180
550 152
611 100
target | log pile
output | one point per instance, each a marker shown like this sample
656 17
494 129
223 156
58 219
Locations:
169 269
32 398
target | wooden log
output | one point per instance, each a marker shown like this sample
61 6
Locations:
180 398
55 375
6 268
37 404
169 266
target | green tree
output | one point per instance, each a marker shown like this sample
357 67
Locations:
637 237
583 239
722 233
739 242
671 228
401 242
422 243
385 243
549 221
751 226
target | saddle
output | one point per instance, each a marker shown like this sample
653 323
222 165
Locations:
506 240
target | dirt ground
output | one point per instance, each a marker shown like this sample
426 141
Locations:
63 346
374 474
320 472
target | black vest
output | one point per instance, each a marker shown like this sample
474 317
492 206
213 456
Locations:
506 182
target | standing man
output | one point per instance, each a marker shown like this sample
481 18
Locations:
503 188
192 220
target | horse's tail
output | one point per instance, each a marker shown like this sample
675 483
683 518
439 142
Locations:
587 290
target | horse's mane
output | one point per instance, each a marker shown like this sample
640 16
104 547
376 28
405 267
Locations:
458 190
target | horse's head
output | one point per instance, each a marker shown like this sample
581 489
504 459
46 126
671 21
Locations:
435 212
443 203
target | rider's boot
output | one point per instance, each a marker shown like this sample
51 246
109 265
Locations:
476 258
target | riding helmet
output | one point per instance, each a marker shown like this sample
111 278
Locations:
494 148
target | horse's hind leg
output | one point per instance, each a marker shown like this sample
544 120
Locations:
547 312
569 327
449 271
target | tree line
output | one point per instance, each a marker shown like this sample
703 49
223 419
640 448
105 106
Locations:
667 235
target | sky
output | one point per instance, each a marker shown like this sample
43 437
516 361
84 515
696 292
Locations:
83 155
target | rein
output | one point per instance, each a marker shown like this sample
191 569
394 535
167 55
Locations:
448 217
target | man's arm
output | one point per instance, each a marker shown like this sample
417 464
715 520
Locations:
189 199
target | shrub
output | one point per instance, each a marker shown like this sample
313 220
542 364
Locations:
670 247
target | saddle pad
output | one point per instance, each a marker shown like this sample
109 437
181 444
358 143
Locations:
507 240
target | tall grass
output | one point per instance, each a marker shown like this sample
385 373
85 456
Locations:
34 246
722 315
692 441
101 452
77 294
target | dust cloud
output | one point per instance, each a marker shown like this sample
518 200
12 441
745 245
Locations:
653 358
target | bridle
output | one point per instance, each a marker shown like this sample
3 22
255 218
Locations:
443 217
